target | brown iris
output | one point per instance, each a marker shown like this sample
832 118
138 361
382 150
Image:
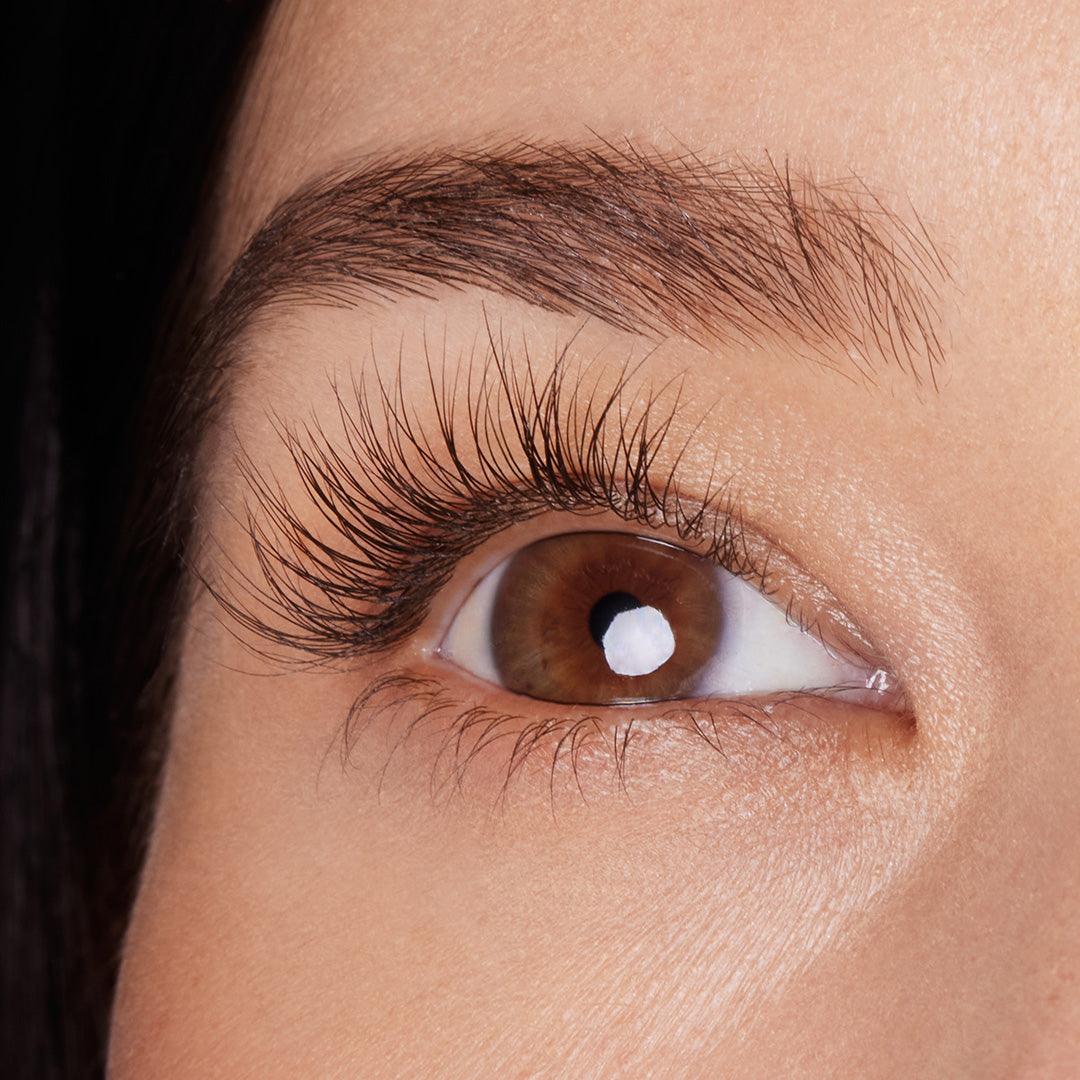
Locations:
605 617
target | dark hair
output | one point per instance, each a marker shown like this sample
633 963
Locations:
121 106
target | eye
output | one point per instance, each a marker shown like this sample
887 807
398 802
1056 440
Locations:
603 618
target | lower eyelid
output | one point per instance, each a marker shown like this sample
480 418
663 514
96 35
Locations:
490 745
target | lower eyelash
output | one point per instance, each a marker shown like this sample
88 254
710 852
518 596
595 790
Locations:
462 732
405 707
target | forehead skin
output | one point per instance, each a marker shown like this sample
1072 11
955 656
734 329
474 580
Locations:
284 930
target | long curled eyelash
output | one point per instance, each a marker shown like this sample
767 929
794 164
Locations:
395 504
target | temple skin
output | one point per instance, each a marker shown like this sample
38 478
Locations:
888 904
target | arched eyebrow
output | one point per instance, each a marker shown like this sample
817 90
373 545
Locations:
648 243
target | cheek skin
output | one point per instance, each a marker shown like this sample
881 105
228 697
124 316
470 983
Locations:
295 905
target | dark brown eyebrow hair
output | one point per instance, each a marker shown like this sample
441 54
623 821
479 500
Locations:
647 242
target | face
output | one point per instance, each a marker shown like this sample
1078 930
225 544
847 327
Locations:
638 554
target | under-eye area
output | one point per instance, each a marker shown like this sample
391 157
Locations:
457 740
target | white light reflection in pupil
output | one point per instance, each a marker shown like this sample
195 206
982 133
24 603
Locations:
636 638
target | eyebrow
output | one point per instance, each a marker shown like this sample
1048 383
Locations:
649 243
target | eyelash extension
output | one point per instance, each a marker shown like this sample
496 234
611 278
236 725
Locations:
395 505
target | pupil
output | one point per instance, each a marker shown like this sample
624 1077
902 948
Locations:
604 611
636 638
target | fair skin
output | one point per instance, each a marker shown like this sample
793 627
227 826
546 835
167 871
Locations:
882 891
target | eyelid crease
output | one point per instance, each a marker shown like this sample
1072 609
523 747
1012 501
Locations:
396 505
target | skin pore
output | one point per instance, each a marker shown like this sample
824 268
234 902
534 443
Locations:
342 883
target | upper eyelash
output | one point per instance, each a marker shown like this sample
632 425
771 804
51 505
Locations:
404 502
